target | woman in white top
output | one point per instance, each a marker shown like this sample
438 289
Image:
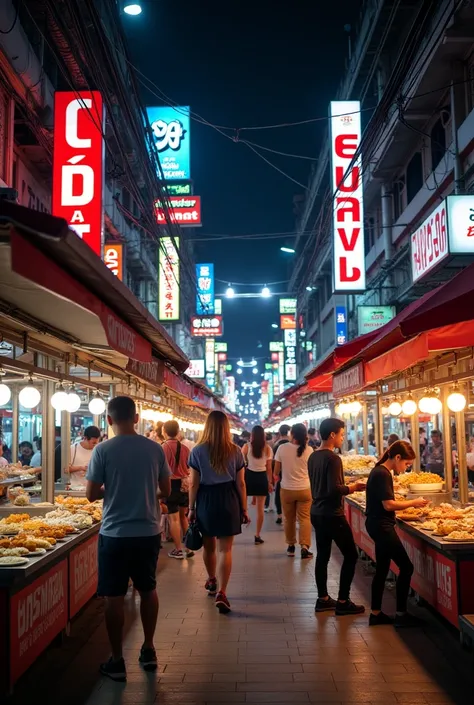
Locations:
291 461
258 475
80 457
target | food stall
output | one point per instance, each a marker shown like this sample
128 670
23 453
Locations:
71 335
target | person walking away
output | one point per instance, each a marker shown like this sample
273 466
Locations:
81 454
177 457
291 461
313 441
186 441
380 524
283 438
128 471
433 457
258 457
218 501
329 522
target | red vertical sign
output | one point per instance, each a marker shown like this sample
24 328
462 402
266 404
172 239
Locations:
83 574
78 163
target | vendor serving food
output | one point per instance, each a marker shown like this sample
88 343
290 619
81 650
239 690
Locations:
80 456
381 508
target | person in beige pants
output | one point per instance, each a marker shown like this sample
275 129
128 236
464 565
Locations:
291 462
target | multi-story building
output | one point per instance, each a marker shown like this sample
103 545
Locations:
412 71
67 45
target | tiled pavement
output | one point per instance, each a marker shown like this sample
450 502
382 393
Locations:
271 649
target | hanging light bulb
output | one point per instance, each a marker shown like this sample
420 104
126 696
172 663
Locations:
455 401
73 402
5 394
409 407
29 396
385 411
435 406
356 407
96 405
59 399
395 408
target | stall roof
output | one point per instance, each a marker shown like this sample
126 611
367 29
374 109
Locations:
319 379
58 243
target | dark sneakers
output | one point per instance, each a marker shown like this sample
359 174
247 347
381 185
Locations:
408 621
222 603
306 553
279 521
115 670
211 586
148 660
376 620
290 551
348 607
258 540
328 605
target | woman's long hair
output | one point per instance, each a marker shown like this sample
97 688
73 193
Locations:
257 441
217 436
401 448
300 434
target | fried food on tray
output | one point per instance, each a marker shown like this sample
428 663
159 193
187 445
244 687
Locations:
429 525
419 478
14 551
444 528
460 536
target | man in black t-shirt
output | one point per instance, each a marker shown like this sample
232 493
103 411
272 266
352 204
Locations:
284 438
327 516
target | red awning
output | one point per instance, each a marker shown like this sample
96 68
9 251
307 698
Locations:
450 303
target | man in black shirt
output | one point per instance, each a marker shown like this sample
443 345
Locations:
283 438
327 516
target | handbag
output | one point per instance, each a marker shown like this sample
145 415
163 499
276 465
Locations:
193 539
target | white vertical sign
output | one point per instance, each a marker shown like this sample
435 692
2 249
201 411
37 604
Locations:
348 235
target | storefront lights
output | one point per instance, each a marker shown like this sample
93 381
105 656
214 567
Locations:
73 402
29 397
409 407
59 400
430 405
5 394
97 406
355 407
455 401
395 408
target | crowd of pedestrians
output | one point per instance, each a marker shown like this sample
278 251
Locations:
206 485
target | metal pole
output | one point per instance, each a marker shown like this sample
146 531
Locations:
365 428
15 422
47 446
462 460
415 435
447 443
454 131
379 425
65 441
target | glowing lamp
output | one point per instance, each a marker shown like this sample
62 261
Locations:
73 402
456 401
395 408
59 400
96 406
5 394
409 407
29 397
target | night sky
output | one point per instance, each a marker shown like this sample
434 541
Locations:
255 63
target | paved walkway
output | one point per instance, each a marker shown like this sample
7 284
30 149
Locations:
271 649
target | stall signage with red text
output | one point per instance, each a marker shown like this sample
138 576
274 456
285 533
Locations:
83 574
78 163
184 210
348 381
38 613
206 326
113 258
346 165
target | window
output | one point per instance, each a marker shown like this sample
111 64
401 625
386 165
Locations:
438 143
414 176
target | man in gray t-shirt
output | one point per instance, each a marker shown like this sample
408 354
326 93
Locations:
128 471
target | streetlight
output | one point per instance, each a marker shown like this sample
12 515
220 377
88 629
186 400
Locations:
239 371
290 250
230 293
255 371
274 325
132 8
266 293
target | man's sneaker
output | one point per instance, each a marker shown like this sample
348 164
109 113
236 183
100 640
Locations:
211 586
222 603
258 540
114 669
189 554
328 605
176 553
290 551
306 553
376 620
147 659
407 621
279 521
348 607
267 509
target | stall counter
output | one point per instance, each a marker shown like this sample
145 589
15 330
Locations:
443 571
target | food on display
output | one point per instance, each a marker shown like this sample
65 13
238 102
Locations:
14 551
460 536
418 478
22 500
358 464
429 525
10 561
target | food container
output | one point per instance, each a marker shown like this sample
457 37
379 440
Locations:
428 487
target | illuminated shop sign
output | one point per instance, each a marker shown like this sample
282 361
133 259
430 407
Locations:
205 288
372 317
171 132
290 355
184 210
220 347
348 235
184 189
287 322
196 369
276 346
206 326
113 258
341 325
210 355
168 280
288 306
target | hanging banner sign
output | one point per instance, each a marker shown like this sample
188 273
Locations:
210 355
288 306
205 289
348 236
171 132
207 326
184 210
78 163
349 381
152 372
341 325
113 258
183 189
196 369
276 346
168 280
288 322
372 317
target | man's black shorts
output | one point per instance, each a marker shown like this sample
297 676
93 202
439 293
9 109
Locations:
177 498
122 559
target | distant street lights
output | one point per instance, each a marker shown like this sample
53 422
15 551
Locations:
132 8
289 250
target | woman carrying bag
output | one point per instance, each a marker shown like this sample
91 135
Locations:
218 501
258 477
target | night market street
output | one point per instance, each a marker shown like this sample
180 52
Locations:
270 649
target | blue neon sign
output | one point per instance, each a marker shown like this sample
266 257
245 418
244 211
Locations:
341 325
205 289
171 131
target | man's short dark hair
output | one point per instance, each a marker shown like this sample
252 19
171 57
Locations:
311 431
92 432
245 434
171 428
329 426
122 409
284 429
26 444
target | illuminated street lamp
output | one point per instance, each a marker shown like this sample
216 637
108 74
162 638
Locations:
266 293
230 293
275 325
132 8
290 250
